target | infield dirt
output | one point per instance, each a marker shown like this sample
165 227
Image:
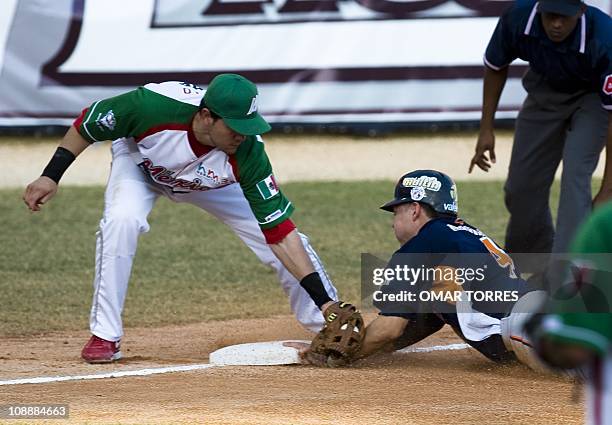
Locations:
444 387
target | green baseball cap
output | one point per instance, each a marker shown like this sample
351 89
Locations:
234 98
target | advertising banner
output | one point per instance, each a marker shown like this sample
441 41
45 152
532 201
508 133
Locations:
315 61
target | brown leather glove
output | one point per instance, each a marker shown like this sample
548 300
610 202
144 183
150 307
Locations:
340 339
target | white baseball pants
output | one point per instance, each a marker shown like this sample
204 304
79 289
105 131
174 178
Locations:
513 330
129 198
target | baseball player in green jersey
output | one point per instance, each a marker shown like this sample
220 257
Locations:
576 329
191 145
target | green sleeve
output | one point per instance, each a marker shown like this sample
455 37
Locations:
257 181
592 331
113 118
132 114
595 235
580 319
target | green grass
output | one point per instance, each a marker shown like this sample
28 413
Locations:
188 267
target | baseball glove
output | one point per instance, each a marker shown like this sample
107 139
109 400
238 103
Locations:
340 339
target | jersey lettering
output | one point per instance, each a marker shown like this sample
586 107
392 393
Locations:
163 175
500 256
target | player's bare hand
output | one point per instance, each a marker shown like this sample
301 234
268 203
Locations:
39 192
307 357
303 349
484 157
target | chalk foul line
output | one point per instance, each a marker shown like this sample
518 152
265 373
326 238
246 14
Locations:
434 348
118 374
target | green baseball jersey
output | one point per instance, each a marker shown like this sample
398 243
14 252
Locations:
156 118
585 318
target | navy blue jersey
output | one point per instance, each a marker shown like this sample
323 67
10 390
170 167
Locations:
583 61
473 305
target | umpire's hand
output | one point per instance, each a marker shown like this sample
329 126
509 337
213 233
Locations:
486 143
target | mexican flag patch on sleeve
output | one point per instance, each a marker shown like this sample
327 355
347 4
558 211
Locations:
267 187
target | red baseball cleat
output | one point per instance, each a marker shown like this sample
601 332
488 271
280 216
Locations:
98 350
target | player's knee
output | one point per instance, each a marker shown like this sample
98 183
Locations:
125 218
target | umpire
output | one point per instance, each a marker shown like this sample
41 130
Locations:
566 116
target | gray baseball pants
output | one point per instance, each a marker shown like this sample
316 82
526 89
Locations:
552 127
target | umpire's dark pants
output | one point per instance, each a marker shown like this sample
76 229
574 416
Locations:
552 126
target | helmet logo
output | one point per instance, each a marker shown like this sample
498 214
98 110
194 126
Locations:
417 193
451 207
425 182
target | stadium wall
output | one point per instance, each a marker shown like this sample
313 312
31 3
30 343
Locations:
369 64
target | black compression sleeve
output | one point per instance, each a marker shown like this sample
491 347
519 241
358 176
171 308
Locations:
59 163
314 286
418 329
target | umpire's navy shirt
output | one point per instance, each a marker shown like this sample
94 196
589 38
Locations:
583 61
